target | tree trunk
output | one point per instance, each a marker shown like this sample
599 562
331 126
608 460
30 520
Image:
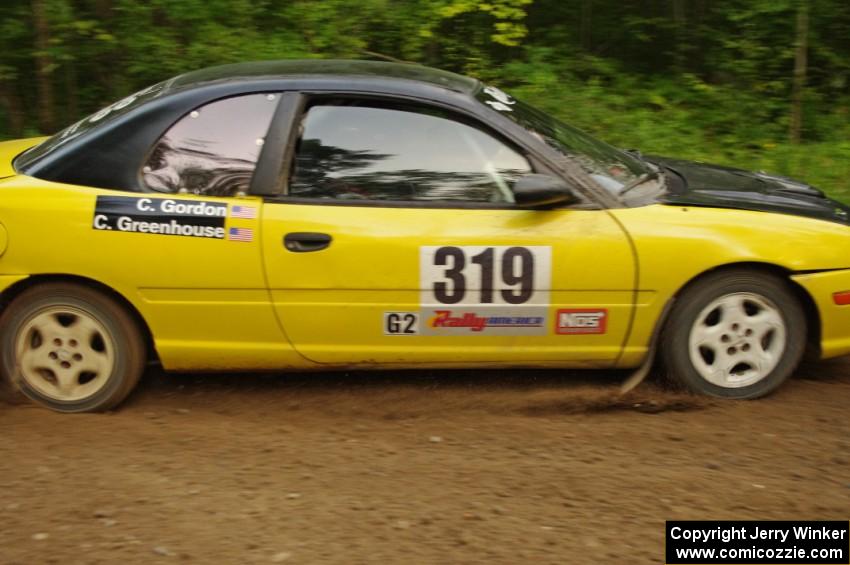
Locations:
679 34
800 69
696 58
12 105
43 67
586 29
72 104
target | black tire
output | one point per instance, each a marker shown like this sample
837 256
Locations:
691 305
116 338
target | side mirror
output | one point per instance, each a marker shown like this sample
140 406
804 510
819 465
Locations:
538 191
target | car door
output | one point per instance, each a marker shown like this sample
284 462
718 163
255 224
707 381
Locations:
399 242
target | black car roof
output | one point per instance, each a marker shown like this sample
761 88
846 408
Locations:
112 150
107 154
257 70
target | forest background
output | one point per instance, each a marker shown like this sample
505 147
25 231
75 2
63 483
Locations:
758 84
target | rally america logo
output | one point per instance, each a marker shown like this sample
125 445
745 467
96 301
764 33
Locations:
476 323
581 321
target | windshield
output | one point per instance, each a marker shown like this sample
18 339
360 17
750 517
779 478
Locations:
90 122
615 170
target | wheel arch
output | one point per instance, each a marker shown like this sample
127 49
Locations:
813 318
13 291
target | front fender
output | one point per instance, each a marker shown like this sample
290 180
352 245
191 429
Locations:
674 245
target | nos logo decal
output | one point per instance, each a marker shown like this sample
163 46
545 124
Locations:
581 321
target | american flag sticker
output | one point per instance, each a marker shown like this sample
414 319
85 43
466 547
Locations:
244 212
240 234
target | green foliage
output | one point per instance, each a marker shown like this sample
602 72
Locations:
691 78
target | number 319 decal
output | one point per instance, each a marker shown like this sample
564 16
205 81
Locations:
479 290
480 275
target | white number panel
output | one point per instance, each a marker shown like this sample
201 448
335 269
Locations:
499 275
484 290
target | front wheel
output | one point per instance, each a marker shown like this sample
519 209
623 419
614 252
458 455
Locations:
734 334
70 348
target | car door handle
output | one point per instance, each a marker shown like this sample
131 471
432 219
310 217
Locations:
302 242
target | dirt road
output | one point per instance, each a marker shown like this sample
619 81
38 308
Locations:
443 467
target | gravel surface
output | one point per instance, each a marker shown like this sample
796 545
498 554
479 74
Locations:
413 467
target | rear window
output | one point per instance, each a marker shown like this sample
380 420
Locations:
213 149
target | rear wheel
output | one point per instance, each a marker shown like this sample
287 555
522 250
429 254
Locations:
734 334
71 348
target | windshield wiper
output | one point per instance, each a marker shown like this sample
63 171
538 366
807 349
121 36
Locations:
653 175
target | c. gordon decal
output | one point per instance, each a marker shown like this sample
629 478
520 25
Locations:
161 216
581 321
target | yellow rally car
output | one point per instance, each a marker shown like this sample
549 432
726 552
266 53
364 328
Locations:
327 214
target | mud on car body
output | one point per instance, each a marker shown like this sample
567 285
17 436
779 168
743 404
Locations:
301 215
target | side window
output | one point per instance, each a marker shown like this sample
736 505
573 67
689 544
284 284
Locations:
212 150
357 152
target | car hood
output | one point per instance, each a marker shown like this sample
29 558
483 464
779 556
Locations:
702 184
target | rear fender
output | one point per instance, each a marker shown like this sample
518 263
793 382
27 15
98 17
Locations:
11 149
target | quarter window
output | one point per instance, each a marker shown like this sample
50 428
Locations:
357 152
213 150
